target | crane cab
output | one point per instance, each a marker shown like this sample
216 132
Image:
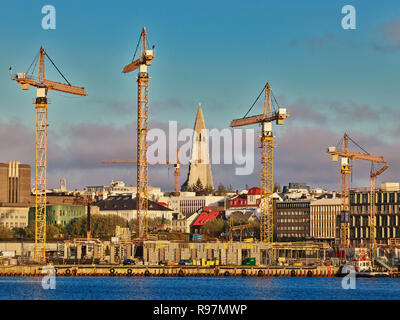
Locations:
332 151
282 114
148 57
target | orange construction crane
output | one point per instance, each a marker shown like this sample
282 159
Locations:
177 174
145 59
237 227
43 87
345 170
267 158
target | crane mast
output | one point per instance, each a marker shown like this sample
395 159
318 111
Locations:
345 172
145 59
43 86
266 175
177 174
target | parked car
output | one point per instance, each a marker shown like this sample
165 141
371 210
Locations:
129 262
162 263
184 262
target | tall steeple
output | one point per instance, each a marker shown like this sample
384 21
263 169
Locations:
199 167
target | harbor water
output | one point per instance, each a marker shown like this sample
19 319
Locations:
198 288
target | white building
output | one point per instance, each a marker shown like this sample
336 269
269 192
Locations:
187 203
120 188
323 213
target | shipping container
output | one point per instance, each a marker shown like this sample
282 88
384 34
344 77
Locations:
249 262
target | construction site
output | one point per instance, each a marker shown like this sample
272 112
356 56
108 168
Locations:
147 253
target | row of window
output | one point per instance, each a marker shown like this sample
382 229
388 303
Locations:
11 216
291 213
290 235
291 220
323 209
294 205
13 224
64 213
297 228
381 220
381 197
381 232
379 208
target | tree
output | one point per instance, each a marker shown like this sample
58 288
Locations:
53 231
277 187
208 190
221 190
132 225
19 233
198 187
153 223
102 226
215 227
5 233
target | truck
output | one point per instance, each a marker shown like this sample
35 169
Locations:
249 262
8 254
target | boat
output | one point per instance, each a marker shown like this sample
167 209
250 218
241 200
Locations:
363 267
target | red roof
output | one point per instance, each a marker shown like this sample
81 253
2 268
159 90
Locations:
204 217
254 191
162 204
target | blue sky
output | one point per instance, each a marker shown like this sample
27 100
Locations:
219 53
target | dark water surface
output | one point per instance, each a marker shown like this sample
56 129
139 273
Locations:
198 288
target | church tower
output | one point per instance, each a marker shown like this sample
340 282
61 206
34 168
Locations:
199 167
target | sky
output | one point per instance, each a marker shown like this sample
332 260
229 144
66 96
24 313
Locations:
219 54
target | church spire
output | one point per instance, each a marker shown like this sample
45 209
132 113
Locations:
199 167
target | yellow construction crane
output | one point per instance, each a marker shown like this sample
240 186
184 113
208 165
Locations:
43 86
145 59
346 156
267 157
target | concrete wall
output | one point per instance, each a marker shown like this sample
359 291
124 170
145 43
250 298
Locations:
224 253
24 247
